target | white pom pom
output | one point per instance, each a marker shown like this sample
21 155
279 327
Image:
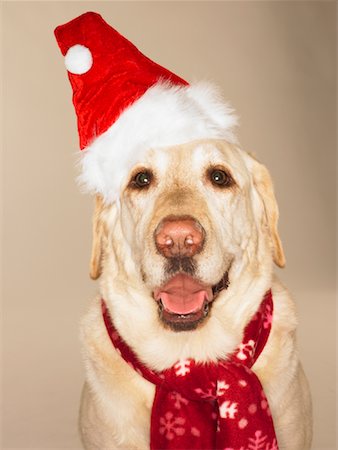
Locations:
78 59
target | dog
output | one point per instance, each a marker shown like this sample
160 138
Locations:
196 217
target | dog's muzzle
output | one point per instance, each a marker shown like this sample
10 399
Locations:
183 300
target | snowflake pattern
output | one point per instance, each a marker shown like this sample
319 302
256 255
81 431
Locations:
252 408
243 423
171 426
195 432
222 386
182 368
178 399
228 410
246 350
258 442
206 394
267 317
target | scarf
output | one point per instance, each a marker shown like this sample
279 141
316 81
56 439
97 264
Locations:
209 406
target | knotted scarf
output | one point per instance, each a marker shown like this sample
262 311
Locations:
210 406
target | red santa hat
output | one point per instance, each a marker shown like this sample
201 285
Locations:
126 103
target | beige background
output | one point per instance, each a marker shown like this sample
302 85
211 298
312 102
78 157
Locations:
275 62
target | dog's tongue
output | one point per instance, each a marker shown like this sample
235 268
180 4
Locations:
183 294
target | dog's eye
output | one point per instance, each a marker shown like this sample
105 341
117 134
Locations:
220 178
142 179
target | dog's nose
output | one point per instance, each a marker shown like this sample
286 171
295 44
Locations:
179 236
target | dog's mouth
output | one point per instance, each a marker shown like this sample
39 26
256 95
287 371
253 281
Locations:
184 302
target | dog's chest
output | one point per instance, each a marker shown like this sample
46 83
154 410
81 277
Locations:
118 394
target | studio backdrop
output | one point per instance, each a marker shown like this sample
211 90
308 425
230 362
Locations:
275 63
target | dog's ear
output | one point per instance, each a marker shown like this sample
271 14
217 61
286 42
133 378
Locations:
98 231
264 187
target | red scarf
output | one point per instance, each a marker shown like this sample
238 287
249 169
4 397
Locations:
214 405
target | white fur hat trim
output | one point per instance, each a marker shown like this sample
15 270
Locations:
164 116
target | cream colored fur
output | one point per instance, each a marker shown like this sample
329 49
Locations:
241 237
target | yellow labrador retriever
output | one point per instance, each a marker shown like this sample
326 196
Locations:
196 222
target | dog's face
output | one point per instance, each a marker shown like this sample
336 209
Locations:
192 218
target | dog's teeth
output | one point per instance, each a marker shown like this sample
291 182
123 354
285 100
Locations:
206 308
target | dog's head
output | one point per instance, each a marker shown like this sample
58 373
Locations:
193 222
183 239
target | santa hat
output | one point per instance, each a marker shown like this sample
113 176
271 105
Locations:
126 103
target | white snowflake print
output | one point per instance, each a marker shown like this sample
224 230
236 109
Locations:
171 426
252 408
208 393
228 410
182 368
222 386
179 400
243 423
272 446
195 432
267 318
244 349
259 442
